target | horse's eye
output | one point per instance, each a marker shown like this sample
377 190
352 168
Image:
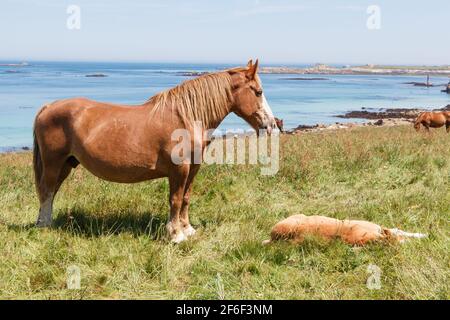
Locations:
258 93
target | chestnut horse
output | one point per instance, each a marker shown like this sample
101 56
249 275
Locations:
130 144
433 120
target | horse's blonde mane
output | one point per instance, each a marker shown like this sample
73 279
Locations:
206 99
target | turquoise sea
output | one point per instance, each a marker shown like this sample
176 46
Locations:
24 89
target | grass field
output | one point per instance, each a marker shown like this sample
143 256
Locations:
115 233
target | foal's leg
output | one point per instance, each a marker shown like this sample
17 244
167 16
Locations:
447 126
177 182
188 230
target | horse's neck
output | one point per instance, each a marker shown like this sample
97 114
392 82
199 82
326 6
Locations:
214 123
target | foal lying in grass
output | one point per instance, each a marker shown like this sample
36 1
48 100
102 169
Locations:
354 232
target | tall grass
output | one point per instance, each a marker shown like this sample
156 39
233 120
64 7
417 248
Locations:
115 233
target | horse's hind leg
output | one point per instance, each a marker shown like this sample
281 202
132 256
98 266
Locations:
447 126
53 175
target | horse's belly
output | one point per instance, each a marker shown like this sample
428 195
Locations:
120 163
123 173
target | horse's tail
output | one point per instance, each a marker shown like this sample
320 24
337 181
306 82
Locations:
37 160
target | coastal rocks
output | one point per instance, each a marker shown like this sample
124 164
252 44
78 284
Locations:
96 75
378 122
192 73
400 113
305 79
322 127
447 89
350 125
421 84
386 114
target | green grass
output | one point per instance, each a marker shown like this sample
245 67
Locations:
115 233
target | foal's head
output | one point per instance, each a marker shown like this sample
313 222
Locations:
249 101
418 122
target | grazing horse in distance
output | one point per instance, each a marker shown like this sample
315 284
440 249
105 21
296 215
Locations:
129 144
279 123
433 120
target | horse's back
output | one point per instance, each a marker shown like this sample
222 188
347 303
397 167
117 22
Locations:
109 140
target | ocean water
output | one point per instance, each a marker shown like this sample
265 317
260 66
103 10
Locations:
24 89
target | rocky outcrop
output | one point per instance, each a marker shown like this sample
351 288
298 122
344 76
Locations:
447 89
400 113
96 75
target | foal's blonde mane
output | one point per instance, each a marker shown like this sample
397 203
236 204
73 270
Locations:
206 99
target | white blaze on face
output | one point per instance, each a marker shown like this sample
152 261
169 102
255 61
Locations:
270 118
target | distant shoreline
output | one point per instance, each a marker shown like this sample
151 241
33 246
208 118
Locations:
313 69
322 69
367 70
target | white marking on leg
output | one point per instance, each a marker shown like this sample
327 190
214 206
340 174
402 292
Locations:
189 231
45 212
179 237
176 235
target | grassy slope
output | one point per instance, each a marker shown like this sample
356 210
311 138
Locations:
392 176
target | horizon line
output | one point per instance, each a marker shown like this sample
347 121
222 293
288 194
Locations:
18 61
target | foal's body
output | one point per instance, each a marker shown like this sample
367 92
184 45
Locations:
355 232
131 144
433 120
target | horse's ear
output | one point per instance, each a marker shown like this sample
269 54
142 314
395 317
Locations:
249 63
251 72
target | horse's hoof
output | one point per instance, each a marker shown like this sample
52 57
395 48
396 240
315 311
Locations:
179 237
43 224
189 231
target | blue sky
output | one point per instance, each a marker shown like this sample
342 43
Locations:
283 31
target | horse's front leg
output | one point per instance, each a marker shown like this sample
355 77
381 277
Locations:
177 182
188 230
